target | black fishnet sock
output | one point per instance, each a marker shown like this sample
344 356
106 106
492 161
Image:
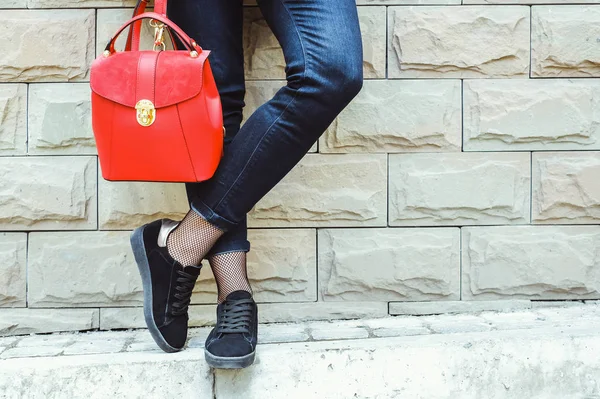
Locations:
230 273
191 240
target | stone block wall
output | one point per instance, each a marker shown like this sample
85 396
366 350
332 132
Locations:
465 175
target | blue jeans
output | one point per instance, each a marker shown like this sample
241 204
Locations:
322 45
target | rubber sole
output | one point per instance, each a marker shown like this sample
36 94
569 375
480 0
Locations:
139 253
218 362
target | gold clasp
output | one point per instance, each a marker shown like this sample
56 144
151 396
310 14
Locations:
146 113
159 35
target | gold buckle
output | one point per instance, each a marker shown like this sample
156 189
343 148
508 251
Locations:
146 113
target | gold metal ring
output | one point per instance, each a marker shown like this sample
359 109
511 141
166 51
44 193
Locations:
156 24
161 46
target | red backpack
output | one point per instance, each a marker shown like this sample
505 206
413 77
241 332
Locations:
156 115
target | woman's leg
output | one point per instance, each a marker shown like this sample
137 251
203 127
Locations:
323 50
168 283
228 256
322 46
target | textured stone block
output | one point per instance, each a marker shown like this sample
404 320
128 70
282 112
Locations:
469 41
13 119
307 311
459 189
373 29
13 285
99 343
143 342
396 326
128 205
110 20
39 341
258 93
60 119
79 3
119 318
565 41
37 321
13 4
82 269
566 187
399 116
503 115
48 193
389 264
280 333
264 58
544 262
327 190
282 267
333 331
43 351
47 46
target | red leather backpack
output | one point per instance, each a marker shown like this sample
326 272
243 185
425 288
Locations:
156 115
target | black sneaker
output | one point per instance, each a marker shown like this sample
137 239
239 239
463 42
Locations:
232 343
167 285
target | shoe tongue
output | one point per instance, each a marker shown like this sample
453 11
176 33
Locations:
235 295
193 270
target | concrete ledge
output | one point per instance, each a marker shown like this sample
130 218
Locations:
554 363
126 375
539 353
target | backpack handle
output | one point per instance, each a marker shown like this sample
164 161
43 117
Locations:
133 38
189 43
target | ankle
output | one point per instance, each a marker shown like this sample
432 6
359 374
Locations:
222 297
229 269
192 239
